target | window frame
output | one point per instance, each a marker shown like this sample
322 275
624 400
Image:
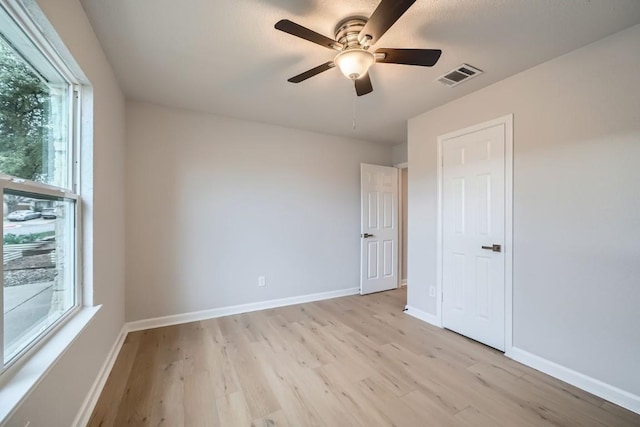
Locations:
15 11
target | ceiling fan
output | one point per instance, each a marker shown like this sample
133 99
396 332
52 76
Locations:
354 37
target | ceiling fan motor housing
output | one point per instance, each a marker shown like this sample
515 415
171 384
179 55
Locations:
348 31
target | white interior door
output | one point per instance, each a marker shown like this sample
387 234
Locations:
473 221
379 228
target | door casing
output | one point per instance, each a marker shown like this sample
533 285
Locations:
507 122
402 224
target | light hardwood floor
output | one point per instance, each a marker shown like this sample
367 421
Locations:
353 361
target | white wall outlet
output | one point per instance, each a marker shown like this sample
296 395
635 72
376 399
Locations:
262 281
432 291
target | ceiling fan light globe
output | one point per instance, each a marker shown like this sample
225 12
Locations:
354 63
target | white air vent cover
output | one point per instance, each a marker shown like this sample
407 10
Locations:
459 75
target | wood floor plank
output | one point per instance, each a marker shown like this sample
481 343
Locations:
233 410
170 345
223 376
500 382
322 351
258 394
448 390
310 388
388 371
581 402
628 417
277 419
283 381
349 361
552 384
135 408
350 396
392 408
430 410
269 329
472 417
352 361
169 389
298 352
108 404
200 408
196 359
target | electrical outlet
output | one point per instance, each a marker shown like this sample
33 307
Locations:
262 281
432 291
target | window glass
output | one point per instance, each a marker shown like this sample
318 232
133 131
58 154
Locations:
38 266
34 121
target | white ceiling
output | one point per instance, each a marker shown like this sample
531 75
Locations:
225 57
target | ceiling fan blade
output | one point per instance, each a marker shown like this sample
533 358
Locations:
385 15
312 72
307 34
422 57
363 85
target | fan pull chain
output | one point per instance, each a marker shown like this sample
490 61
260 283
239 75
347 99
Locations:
354 110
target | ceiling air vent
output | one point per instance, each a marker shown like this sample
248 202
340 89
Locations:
459 75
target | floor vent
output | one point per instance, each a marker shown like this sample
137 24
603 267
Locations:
458 75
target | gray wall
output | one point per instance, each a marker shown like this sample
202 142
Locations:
57 399
213 203
576 205
399 154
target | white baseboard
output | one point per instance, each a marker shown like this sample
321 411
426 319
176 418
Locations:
424 316
606 391
403 282
82 419
176 319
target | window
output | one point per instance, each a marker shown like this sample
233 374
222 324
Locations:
38 128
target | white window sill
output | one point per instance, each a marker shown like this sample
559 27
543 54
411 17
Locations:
22 379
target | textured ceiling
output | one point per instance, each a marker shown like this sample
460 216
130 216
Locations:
225 57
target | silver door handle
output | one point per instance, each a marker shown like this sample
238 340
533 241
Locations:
366 235
494 248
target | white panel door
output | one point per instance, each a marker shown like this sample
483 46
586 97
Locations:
473 220
379 229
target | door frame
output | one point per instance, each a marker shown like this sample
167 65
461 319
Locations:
507 122
401 254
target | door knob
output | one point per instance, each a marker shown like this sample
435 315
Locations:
494 248
366 235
